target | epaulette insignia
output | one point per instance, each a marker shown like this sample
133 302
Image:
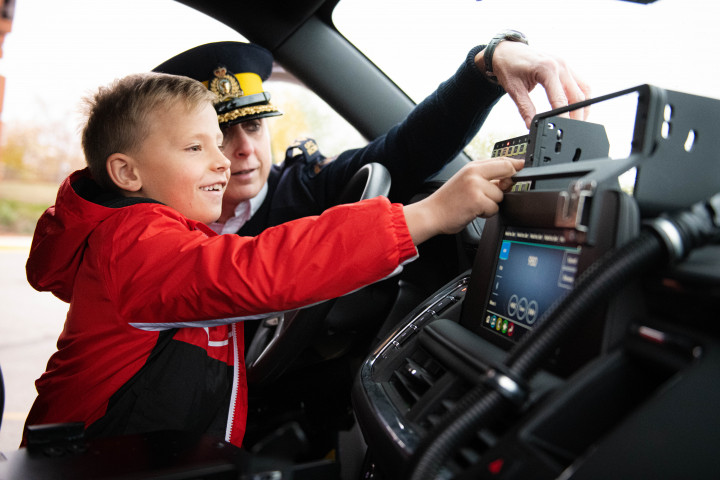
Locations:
310 146
306 151
305 148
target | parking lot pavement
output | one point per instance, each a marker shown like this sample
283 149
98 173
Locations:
30 323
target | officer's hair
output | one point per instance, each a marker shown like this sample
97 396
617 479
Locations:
118 115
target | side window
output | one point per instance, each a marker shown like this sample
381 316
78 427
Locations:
306 115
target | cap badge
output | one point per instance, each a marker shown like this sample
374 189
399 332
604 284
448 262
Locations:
225 85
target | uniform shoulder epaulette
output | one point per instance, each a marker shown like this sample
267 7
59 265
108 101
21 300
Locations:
306 150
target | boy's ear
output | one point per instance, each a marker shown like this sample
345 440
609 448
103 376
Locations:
123 172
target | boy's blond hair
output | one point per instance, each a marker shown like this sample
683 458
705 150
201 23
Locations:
118 114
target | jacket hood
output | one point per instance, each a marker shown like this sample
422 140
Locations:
62 232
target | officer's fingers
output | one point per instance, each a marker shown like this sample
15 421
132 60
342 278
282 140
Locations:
576 87
519 94
556 83
563 87
578 91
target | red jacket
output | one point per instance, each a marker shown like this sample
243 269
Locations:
151 340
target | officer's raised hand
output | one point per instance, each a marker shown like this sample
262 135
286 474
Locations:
518 68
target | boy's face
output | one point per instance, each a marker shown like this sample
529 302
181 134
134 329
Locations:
181 163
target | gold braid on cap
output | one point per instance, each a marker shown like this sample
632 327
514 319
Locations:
246 111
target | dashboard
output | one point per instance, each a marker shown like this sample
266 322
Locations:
566 351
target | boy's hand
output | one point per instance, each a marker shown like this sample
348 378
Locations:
474 191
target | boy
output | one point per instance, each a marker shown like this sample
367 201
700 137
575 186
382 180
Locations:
152 339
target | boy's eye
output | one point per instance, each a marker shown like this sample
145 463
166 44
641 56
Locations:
194 148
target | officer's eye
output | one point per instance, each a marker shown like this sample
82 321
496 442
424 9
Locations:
252 126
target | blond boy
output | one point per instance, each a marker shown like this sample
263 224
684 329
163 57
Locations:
153 338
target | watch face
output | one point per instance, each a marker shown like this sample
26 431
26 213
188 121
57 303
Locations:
515 36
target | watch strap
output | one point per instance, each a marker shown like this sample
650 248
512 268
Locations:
509 35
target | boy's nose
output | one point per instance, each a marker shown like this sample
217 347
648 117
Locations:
222 162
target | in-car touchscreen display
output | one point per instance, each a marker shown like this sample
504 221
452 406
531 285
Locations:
534 269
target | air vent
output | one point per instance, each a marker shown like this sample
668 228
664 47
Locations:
414 378
424 392
438 409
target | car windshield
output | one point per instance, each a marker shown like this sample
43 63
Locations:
612 44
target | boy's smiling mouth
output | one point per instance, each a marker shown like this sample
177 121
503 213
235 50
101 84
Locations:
218 187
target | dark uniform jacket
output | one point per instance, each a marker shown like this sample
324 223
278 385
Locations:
436 131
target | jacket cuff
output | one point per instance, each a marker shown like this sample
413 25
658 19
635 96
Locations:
406 248
477 73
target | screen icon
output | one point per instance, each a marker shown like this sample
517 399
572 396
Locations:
505 250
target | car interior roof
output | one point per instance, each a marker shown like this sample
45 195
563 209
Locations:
303 40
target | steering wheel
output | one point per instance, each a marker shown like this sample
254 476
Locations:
278 341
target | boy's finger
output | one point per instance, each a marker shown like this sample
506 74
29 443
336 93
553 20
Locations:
500 167
505 184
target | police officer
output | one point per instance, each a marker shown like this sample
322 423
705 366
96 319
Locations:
261 194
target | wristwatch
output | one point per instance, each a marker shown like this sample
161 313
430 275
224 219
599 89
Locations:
509 35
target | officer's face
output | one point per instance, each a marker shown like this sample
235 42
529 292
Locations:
247 146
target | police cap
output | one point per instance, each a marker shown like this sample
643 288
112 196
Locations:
234 71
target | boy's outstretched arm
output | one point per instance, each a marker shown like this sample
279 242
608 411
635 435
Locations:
474 191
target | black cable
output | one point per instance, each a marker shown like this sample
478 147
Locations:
594 285
665 240
476 407
481 404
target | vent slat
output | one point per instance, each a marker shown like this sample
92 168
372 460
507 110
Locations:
405 388
423 379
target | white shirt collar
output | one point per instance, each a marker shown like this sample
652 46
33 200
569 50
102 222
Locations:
258 199
243 212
